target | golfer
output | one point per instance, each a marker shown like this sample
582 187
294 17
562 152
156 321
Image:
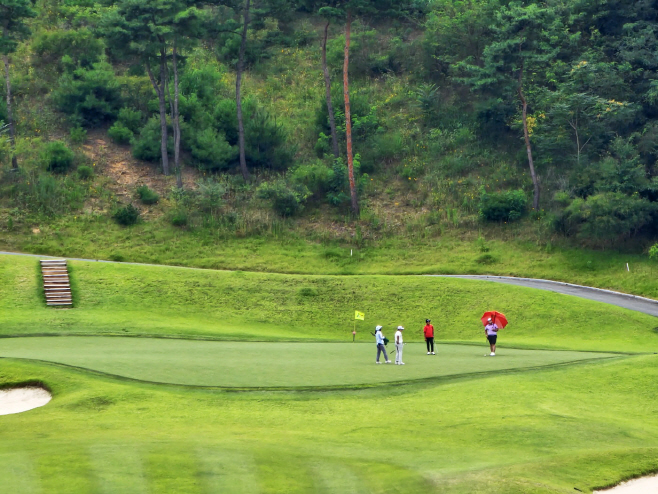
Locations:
398 346
491 330
428 331
379 337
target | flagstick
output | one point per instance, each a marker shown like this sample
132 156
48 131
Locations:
354 332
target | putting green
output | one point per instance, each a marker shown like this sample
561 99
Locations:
271 364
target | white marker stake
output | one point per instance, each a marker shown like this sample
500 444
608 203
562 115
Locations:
627 268
350 252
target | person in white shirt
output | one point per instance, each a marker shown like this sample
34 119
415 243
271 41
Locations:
398 346
379 337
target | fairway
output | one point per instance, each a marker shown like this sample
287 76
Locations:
272 364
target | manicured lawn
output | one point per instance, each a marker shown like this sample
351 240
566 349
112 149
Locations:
515 423
272 364
155 300
542 431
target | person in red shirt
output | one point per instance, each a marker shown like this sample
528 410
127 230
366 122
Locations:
428 330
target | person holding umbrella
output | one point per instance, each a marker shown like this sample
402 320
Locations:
491 331
428 331
493 321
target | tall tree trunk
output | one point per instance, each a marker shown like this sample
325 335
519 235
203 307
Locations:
163 113
238 96
526 135
10 116
176 121
327 87
348 117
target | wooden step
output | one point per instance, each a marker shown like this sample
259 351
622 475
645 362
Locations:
56 283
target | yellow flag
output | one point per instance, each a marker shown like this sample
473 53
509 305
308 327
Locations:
359 315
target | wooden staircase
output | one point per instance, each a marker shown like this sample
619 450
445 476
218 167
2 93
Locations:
56 283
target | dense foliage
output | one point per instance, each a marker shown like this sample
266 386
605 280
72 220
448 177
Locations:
479 111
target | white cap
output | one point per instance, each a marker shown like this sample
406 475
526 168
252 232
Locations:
400 327
378 328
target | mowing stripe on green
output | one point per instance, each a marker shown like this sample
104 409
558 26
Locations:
271 364
18 474
118 468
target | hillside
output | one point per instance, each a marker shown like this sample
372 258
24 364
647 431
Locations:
441 165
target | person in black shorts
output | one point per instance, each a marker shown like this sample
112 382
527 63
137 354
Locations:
491 330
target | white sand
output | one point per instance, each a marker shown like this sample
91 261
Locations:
644 485
19 400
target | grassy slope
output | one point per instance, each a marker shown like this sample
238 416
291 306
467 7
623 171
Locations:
540 432
98 238
126 299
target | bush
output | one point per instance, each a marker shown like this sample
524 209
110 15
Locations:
66 48
210 195
127 215
503 206
146 146
315 176
85 172
146 195
57 157
178 217
78 135
307 292
608 216
120 134
131 119
653 252
211 149
285 199
92 97
486 259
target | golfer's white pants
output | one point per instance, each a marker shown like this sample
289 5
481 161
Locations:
398 352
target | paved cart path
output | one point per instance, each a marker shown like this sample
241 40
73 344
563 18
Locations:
632 302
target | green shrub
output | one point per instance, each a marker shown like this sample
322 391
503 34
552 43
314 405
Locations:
126 215
307 292
503 206
146 146
57 157
120 134
210 149
66 48
286 200
315 176
146 195
85 172
486 259
210 195
653 252
608 216
131 119
178 217
91 96
78 135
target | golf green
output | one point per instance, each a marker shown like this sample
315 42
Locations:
272 364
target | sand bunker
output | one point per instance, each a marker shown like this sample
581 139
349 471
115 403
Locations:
19 400
644 485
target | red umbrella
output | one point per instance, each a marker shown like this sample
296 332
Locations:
496 317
